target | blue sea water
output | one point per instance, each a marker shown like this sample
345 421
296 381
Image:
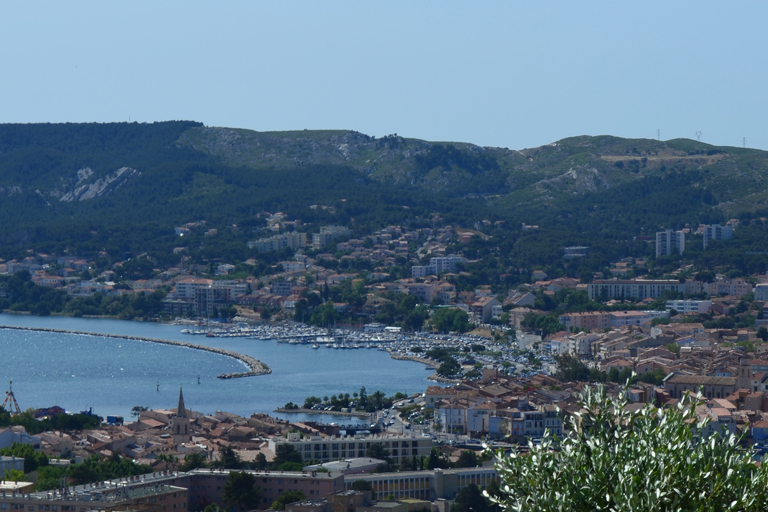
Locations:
113 375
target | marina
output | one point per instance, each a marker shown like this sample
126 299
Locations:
398 344
113 374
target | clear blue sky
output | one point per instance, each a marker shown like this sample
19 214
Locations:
512 74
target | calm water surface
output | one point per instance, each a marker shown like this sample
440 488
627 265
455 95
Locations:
113 375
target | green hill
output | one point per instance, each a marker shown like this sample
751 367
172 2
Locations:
121 188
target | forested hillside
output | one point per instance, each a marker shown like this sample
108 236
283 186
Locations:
121 188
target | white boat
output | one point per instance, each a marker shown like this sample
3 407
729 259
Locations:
315 345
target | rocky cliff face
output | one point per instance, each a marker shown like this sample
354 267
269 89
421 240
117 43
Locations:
100 187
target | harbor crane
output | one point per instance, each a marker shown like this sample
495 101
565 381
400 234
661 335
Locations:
9 397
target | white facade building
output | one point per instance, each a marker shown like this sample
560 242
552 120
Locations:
717 232
326 449
437 266
689 306
669 242
632 289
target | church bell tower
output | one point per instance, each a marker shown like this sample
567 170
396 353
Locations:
180 423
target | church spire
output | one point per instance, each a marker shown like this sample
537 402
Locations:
182 411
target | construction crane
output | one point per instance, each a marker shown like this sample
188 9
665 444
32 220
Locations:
15 409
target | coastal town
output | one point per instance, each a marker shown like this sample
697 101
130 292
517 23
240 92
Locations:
509 364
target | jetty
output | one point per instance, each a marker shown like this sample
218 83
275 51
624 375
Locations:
255 367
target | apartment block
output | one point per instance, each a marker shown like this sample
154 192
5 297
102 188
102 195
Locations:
425 485
278 242
328 234
326 449
632 289
670 242
437 266
689 306
588 320
716 232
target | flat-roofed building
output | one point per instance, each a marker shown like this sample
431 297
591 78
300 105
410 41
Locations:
587 320
632 288
689 306
623 318
425 485
325 449
669 242
716 232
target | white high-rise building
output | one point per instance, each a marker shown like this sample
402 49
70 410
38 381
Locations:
717 232
670 242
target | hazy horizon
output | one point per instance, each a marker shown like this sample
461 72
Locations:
494 74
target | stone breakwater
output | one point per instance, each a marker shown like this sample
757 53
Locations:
255 367
422 360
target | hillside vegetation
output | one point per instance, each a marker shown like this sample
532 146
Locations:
121 188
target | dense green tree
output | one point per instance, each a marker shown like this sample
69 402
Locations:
32 459
624 460
260 462
193 461
449 367
286 453
471 499
437 460
228 459
450 320
241 492
570 368
378 451
286 498
467 459
362 485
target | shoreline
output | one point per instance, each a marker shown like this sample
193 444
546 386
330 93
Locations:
428 362
422 360
302 410
255 366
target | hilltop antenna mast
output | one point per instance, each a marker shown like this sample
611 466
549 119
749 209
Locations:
658 134
744 142
15 409
698 136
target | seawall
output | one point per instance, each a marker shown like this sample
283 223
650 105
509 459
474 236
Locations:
255 366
